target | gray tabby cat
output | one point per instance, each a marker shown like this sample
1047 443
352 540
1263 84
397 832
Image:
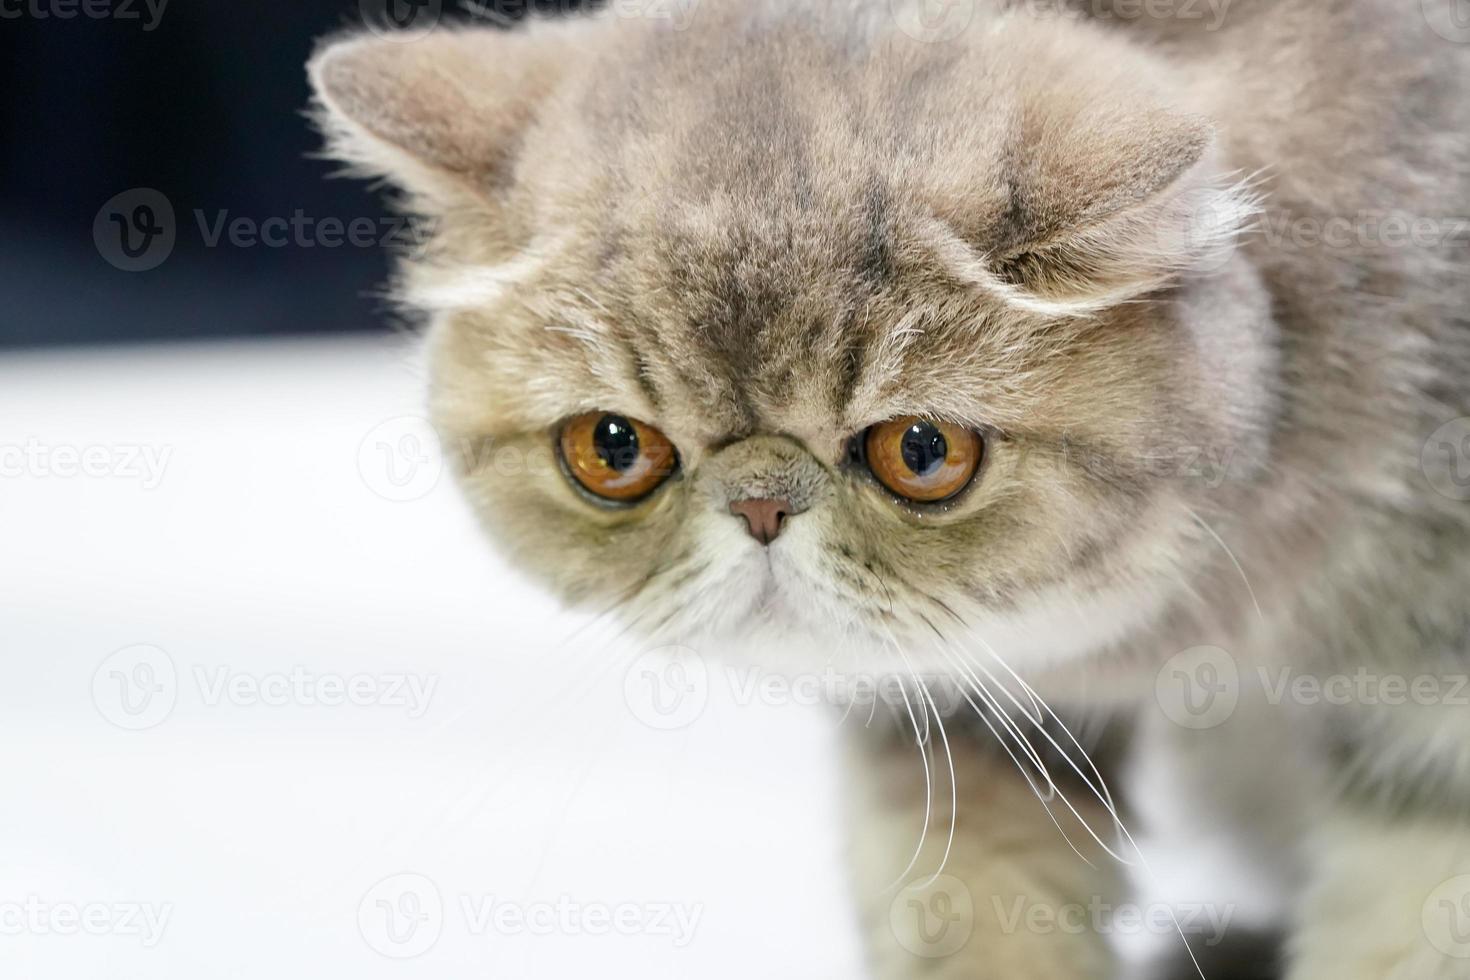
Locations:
1095 358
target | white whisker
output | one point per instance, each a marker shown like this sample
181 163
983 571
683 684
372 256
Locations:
1105 797
928 780
954 792
1042 799
1233 560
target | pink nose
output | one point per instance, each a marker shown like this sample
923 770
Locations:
763 516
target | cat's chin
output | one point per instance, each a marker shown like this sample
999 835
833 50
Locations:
767 613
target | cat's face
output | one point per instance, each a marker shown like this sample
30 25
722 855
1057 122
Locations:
786 263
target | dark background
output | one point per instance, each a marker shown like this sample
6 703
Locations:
205 108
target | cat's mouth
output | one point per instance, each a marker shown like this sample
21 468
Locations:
778 607
782 594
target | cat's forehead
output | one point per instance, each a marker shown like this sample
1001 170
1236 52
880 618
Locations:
745 315
786 239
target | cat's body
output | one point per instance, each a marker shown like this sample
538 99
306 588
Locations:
777 227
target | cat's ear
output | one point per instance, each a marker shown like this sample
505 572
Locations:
1111 202
440 115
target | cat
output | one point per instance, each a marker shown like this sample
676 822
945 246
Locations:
1099 363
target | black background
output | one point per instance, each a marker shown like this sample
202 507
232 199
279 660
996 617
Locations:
207 109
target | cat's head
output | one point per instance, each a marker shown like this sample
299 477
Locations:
793 320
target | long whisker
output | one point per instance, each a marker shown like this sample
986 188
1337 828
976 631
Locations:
851 700
1233 560
1043 711
1107 801
597 619
1003 716
1098 790
1034 757
1043 799
928 792
954 791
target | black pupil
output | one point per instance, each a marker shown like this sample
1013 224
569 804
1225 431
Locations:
924 448
616 442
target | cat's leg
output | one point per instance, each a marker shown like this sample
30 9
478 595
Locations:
1388 890
1222 795
1339 809
1014 901
1388 900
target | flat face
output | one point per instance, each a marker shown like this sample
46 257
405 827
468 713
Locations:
759 242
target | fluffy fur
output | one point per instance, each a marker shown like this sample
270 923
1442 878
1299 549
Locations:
1076 232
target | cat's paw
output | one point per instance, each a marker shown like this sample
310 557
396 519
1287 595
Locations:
938 927
1390 902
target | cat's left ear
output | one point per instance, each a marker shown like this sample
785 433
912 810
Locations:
440 115
1108 189
1112 205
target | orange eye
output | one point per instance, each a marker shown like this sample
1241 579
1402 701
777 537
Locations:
615 457
923 460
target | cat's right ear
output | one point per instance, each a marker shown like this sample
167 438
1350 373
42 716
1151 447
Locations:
442 114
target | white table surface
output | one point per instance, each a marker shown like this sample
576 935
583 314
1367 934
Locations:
262 837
